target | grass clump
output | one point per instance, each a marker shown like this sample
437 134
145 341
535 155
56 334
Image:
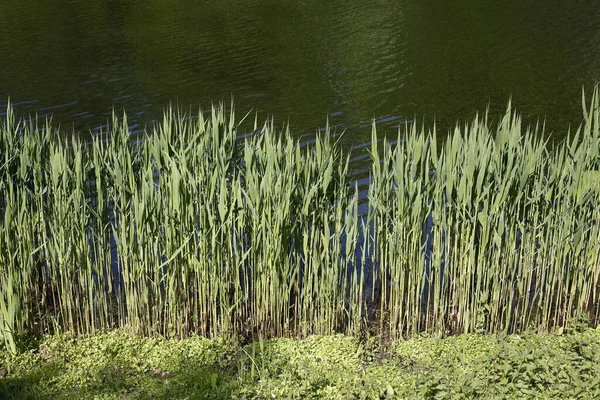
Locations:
191 229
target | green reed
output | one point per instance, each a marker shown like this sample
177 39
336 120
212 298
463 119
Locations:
493 231
189 228
186 229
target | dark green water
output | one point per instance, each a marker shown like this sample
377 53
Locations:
302 61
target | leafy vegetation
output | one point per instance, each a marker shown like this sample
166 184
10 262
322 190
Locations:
118 365
192 229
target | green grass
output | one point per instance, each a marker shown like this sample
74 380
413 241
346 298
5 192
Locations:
118 365
192 230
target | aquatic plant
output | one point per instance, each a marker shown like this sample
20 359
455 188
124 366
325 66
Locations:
190 227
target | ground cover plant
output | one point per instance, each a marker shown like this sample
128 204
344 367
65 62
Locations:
192 228
119 365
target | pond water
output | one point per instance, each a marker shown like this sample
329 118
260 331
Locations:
305 61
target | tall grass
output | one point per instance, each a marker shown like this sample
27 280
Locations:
187 230
193 229
493 231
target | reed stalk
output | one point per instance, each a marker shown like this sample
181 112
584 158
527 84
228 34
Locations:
190 228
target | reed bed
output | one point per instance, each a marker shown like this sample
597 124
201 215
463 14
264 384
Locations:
192 229
495 231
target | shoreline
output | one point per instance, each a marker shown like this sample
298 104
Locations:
118 365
